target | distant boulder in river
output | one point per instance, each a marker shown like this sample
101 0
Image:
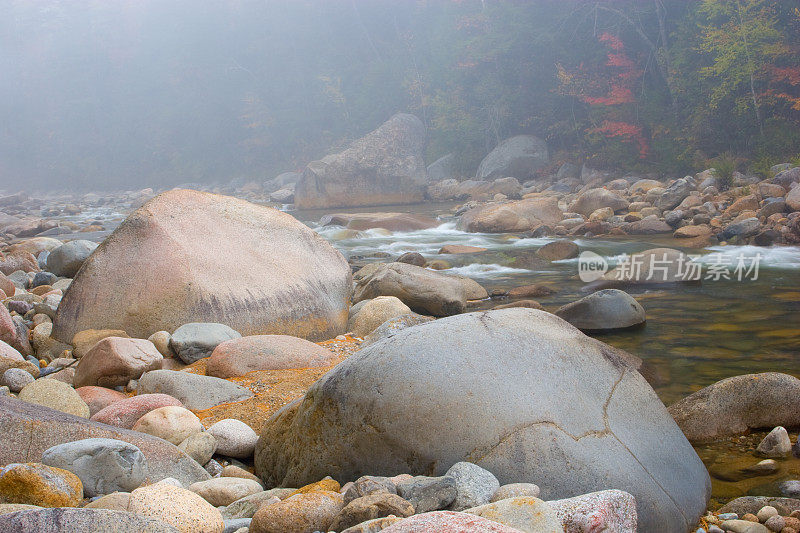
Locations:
187 256
385 167
518 157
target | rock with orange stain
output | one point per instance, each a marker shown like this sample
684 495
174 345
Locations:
327 484
301 513
525 513
237 357
38 484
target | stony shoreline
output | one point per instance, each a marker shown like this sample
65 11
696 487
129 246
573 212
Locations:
178 391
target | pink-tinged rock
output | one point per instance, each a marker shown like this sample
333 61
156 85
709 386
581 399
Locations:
10 352
98 398
114 361
237 357
448 522
125 413
610 511
13 334
18 260
188 256
6 286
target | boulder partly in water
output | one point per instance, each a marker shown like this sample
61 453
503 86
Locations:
518 392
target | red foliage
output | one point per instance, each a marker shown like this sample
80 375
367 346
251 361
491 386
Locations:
610 88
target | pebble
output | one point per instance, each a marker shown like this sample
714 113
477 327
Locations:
428 493
301 513
776 443
524 513
376 505
766 512
366 485
743 526
197 340
16 379
512 490
775 523
234 438
171 423
180 508
224 491
790 488
199 446
213 468
103 465
246 507
474 485
55 395
127 411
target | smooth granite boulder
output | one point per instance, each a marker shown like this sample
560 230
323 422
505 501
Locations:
188 256
519 392
27 430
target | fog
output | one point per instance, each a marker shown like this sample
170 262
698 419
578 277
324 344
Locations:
126 94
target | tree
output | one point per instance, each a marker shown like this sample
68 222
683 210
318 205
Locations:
741 37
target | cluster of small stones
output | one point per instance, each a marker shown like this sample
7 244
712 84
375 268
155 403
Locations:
766 520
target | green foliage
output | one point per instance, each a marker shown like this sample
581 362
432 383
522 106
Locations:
724 167
761 166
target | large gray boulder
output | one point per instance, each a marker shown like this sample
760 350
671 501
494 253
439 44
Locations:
738 404
187 256
74 520
604 310
27 430
68 258
518 392
518 157
385 167
424 291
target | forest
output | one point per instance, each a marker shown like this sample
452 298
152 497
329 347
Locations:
100 94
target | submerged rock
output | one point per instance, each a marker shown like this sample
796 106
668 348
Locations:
534 399
187 256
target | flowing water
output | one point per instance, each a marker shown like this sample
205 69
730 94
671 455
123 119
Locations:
695 334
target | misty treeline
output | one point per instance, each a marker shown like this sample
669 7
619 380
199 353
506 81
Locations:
125 93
